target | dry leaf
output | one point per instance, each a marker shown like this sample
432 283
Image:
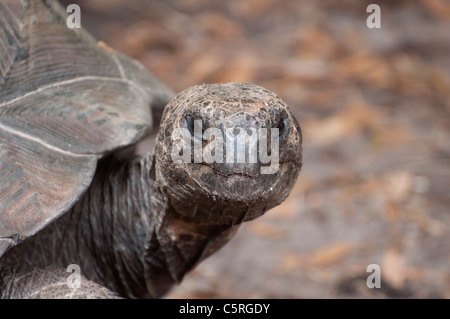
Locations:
330 254
398 185
220 26
314 42
322 257
286 210
432 226
250 8
392 136
366 67
440 8
204 65
267 230
240 69
393 268
291 262
392 212
353 119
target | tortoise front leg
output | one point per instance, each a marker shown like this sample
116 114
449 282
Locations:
26 282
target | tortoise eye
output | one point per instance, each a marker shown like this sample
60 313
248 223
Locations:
281 125
190 124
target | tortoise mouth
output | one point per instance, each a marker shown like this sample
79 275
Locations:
225 174
212 186
251 173
241 188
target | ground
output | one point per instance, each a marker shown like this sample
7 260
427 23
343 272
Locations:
374 105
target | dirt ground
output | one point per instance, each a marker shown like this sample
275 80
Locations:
374 105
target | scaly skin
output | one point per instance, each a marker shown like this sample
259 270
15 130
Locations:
144 223
114 233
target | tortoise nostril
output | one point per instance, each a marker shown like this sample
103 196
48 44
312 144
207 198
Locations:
194 123
190 124
281 126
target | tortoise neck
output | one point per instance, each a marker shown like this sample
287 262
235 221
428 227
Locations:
106 231
126 233
140 244
177 245
117 216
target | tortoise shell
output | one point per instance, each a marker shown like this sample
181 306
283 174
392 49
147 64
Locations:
65 101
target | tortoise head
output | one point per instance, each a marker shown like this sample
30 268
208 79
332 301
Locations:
227 152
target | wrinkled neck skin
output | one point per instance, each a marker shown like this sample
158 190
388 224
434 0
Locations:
126 233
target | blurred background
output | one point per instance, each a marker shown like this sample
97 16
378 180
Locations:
374 105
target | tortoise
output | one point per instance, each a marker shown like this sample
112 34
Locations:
75 191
